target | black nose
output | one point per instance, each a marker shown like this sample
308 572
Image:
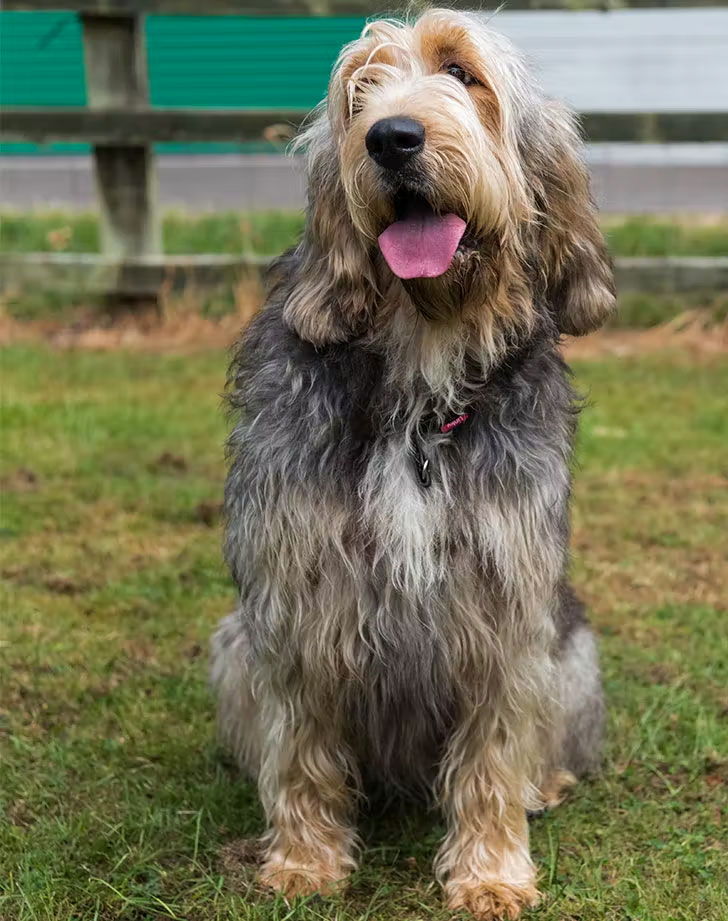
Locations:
392 142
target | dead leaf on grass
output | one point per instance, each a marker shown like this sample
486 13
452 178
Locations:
241 852
21 480
167 462
140 650
59 238
209 513
62 585
19 814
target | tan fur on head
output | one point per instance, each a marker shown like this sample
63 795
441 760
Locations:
468 156
497 154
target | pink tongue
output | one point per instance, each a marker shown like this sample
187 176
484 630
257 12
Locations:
422 246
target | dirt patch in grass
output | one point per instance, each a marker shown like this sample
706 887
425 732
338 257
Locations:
695 332
142 331
180 328
175 323
665 545
22 479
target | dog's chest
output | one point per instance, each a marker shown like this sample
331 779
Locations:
479 526
411 511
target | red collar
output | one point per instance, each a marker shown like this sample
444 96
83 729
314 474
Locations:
422 461
454 423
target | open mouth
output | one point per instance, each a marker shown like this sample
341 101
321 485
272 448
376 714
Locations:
422 242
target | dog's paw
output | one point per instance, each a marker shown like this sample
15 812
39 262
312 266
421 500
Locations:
490 900
556 788
292 877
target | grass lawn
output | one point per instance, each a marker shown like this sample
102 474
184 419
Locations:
270 232
116 802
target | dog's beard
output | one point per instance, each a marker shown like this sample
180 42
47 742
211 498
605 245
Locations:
444 299
438 298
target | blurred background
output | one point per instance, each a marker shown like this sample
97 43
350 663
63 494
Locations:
651 83
158 133
144 185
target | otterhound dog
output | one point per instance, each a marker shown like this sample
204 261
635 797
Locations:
397 501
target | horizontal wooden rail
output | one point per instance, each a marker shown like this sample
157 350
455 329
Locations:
671 275
111 126
84 273
128 126
145 277
656 127
320 7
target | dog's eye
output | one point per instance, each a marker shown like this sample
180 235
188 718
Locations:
356 90
455 70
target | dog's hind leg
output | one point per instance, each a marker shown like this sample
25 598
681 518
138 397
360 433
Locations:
582 702
576 747
230 675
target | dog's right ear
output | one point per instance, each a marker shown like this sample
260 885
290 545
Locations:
332 293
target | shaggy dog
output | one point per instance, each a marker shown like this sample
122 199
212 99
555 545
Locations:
397 501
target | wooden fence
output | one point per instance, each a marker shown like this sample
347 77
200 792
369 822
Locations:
122 127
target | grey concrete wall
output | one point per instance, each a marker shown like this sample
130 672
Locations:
626 178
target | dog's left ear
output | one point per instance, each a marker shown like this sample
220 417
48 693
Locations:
573 254
332 293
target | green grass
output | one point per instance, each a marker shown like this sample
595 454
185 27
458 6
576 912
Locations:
266 232
271 232
654 236
115 802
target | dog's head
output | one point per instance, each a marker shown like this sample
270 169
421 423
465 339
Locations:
438 167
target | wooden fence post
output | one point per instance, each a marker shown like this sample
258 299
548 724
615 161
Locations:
115 58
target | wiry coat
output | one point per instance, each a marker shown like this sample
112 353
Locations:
348 567
420 635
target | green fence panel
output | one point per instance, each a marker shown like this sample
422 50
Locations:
210 62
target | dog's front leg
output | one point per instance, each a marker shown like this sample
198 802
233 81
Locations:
484 862
304 787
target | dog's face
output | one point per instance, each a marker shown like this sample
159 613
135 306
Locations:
420 125
440 168
430 173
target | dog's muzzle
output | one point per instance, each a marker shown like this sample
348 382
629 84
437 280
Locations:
422 241
393 142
